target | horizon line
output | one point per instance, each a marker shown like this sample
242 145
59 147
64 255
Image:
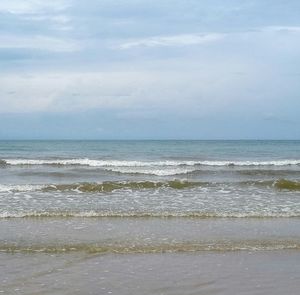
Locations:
148 139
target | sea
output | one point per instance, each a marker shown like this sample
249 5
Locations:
150 217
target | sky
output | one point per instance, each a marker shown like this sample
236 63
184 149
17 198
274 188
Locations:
150 69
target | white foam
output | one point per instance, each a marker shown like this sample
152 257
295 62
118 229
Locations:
120 163
152 171
240 215
19 188
251 163
96 163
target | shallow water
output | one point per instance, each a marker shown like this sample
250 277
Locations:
149 217
150 255
147 235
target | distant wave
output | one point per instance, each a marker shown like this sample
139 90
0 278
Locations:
197 170
97 163
167 163
158 168
109 186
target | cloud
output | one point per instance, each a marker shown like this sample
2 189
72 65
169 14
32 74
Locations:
32 6
175 40
56 21
31 13
139 58
38 43
81 91
67 91
202 38
279 119
58 18
282 29
190 92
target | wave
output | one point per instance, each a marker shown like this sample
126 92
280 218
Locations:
268 172
167 163
20 188
110 186
197 170
166 171
158 214
97 163
124 247
287 185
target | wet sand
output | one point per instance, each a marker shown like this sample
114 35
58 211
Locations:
243 272
150 256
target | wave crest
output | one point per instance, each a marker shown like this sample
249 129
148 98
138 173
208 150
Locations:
110 186
120 163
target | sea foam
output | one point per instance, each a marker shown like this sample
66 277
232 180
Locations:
125 163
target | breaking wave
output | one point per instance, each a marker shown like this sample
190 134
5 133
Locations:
110 186
287 185
117 163
20 188
133 185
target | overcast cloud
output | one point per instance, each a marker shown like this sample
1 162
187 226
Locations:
149 69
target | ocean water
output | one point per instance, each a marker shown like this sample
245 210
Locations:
73 212
150 178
